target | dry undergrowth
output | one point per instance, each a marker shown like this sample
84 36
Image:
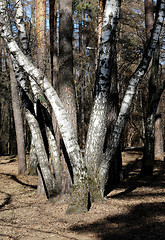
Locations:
134 210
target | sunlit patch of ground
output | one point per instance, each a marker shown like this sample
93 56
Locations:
135 209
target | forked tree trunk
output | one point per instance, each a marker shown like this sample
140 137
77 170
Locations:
79 198
153 75
97 126
131 89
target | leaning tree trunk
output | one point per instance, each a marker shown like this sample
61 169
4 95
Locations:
38 95
80 201
149 148
47 177
131 89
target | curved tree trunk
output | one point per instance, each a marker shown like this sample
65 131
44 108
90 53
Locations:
131 89
70 141
150 130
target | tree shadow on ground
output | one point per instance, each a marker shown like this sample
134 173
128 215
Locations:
143 221
7 199
8 159
13 177
132 178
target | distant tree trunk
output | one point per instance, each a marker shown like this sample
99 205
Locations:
159 149
100 19
66 83
150 131
18 121
53 41
41 32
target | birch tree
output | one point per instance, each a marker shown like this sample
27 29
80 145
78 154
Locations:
151 107
90 174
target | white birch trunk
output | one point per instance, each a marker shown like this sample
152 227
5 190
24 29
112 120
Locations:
55 158
97 125
126 103
72 147
45 171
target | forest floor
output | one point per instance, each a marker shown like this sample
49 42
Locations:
134 210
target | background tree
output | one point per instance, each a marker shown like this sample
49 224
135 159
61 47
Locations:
17 111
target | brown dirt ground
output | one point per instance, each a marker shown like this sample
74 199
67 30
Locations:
135 209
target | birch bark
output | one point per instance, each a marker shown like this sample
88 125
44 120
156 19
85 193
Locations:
152 76
97 126
79 198
46 175
126 103
55 160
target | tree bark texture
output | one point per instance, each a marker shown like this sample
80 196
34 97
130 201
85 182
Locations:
41 32
66 83
131 89
18 121
97 126
152 75
159 148
46 175
70 140
79 198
